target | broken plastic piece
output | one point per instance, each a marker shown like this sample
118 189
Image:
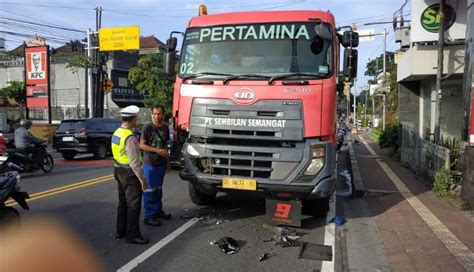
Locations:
227 244
338 220
315 252
265 256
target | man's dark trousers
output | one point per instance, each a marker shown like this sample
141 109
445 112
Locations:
130 199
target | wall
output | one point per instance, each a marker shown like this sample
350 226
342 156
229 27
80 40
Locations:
467 191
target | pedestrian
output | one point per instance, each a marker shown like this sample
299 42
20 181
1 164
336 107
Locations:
130 179
153 142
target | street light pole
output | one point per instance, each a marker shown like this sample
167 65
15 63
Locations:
355 100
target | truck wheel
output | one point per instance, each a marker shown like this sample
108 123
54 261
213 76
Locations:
200 198
68 155
317 207
9 215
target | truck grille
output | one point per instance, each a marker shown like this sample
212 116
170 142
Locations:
256 141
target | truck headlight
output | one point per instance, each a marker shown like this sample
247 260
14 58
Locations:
318 153
191 150
314 167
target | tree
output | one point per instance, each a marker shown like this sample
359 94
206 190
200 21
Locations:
375 66
16 91
149 76
78 61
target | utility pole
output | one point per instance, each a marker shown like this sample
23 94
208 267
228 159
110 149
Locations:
355 100
90 92
384 57
439 73
98 94
365 110
383 116
373 112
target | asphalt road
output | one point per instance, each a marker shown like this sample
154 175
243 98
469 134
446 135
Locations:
83 195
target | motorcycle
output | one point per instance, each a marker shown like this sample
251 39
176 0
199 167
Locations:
9 187
15 159
341 134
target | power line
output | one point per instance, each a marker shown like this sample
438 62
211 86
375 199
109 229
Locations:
150 10
46 6
50 26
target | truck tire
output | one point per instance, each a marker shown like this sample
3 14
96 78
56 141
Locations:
316 207
200 198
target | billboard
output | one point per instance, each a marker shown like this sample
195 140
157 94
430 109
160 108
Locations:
425 20
37 76
119 38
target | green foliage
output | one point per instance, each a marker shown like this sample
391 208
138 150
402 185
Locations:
149 76
442 183
78 61
16 90
375 66
375 134
389 137
454 147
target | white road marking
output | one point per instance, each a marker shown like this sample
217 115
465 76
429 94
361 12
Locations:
462 253
329 234
152 250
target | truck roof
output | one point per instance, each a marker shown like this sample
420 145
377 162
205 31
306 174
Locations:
260 17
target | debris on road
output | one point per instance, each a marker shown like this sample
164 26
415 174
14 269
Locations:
347 181
338 220
265 256
227 244
283 237
315 252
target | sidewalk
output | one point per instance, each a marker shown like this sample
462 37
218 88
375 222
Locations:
418 231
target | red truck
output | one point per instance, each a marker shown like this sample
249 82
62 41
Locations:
254 105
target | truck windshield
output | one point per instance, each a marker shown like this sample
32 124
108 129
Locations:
262 49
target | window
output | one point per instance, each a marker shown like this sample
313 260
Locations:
72 126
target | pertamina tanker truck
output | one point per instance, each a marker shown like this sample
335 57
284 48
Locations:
254 105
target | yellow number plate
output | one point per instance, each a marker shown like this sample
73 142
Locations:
239 184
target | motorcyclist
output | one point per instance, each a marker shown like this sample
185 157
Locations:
25 140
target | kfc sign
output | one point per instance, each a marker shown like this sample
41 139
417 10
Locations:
36 65
36 76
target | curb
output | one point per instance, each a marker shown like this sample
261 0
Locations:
359 188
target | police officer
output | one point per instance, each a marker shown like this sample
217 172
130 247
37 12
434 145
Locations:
129 175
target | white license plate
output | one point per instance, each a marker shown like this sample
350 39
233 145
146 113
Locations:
3 158
68 139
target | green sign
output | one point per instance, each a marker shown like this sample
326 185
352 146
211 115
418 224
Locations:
430 18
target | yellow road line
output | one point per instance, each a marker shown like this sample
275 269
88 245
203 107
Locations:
462 253
65 188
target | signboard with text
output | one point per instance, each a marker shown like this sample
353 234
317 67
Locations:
119 38
37 76
425 21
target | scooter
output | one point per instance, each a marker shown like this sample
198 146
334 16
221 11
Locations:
10 188
15 159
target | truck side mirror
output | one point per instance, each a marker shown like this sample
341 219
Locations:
171 44
169 63
350 39
350 63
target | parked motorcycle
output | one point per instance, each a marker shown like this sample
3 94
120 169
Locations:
10 188
17 159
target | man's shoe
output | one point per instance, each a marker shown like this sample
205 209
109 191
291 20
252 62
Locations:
163 215
138 241
119 236
152 222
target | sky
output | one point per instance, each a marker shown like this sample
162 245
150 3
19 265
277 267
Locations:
159 18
